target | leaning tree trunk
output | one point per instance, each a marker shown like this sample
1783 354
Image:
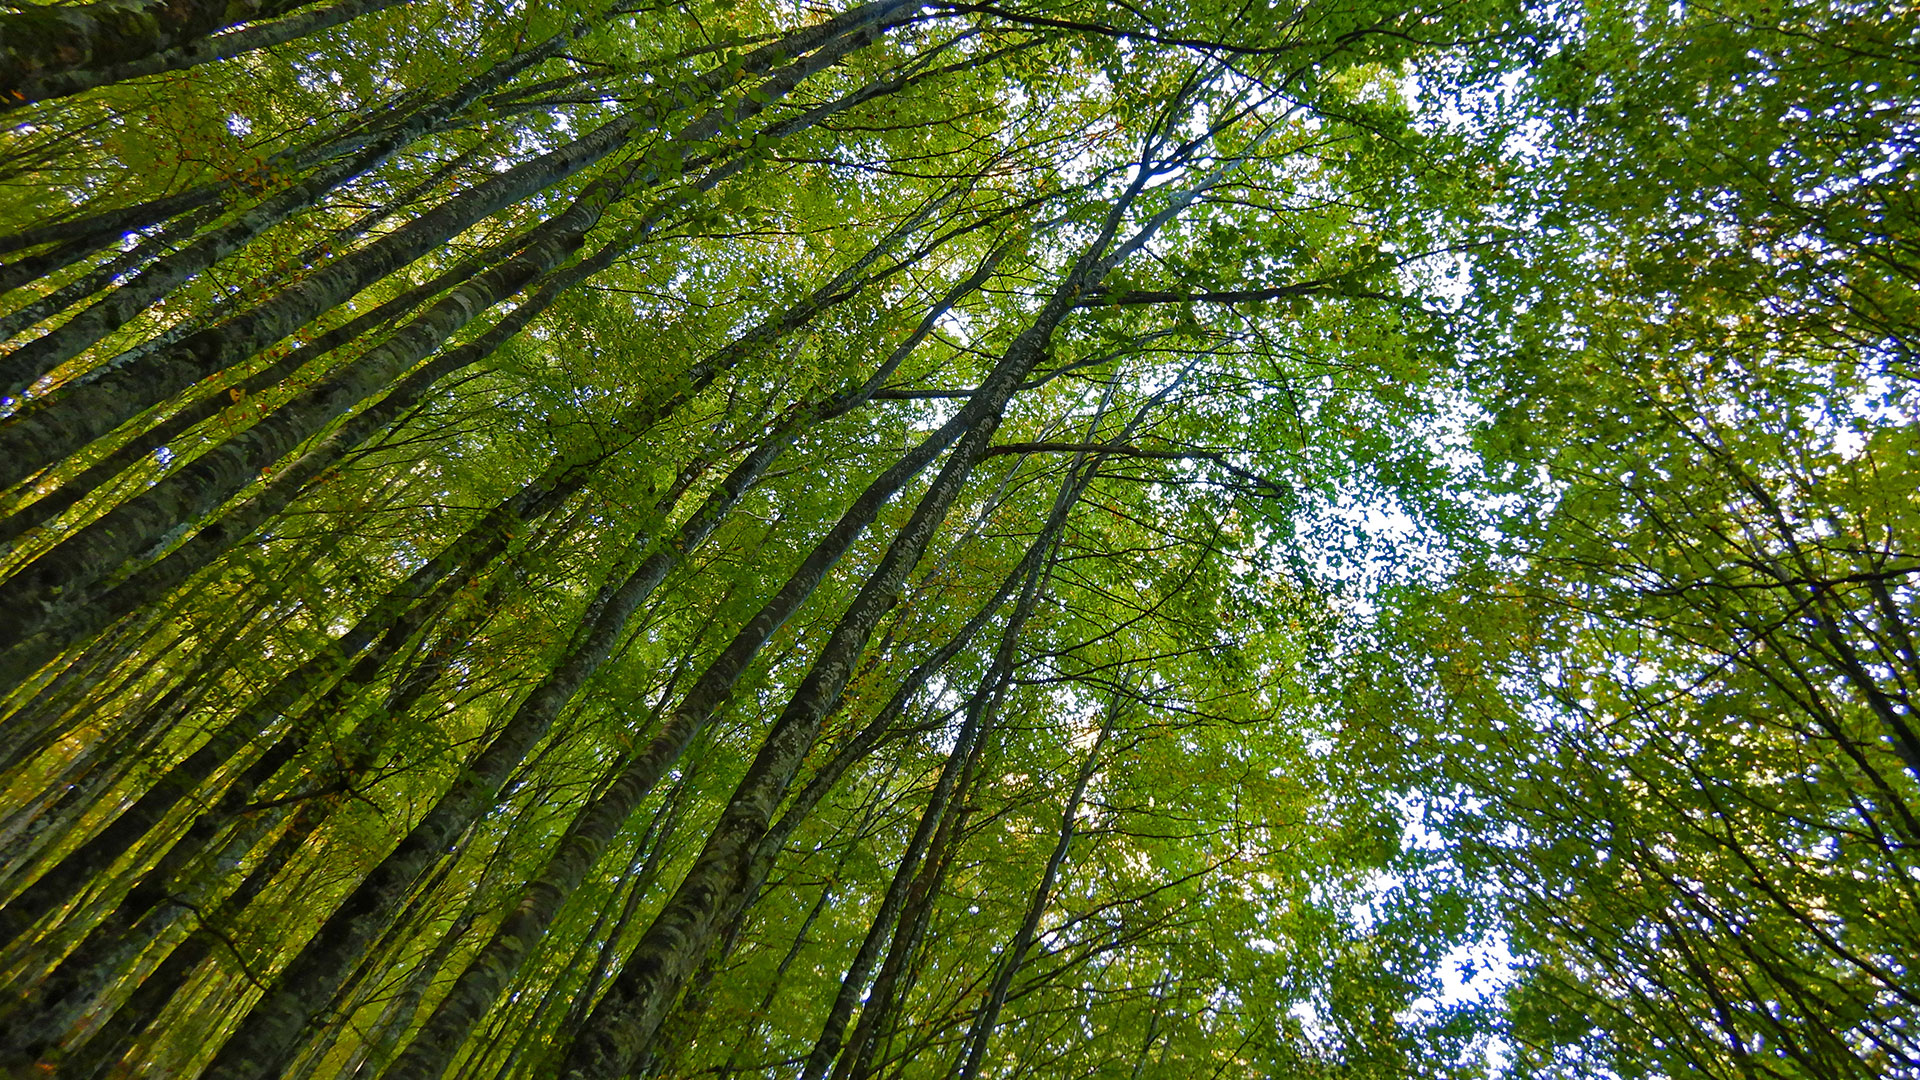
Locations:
980 710
119 306
489 970
973 1048
57 50
60 614
267 1035
626 1021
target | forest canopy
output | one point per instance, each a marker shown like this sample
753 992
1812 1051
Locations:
1018 539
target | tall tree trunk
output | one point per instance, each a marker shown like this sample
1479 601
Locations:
594 829
204 50
269 1031
143 445
890 984
627 1019
42 44
973 1048
981 707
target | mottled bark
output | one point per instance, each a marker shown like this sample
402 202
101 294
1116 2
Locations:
269 1033
38 42
79 414
650 853
106 957
97 1051
44 711
626 1021
981 707
397 1017
52 592
149 51
143 445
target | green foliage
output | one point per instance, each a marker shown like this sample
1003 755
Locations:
1486 538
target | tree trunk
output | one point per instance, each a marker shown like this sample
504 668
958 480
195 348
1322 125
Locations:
981 708
39 43
186 52
625 1023
973 1049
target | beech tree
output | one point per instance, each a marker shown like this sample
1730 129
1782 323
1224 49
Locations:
976 539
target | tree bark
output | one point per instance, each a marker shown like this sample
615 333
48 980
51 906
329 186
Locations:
628 1017
180 52
46 42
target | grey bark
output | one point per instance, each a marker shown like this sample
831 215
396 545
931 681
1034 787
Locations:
71 491
181 52
38 43
981 707
52 593
623 1026
66 615
31 438
400 607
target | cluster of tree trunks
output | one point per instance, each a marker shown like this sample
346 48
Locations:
599 541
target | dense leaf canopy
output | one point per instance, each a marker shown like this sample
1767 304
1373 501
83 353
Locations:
1024 539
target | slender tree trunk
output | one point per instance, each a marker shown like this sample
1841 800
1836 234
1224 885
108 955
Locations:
142 446
654 843
628 1017
981 708
113 1040
54 426
889 985
973 1049
478 786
